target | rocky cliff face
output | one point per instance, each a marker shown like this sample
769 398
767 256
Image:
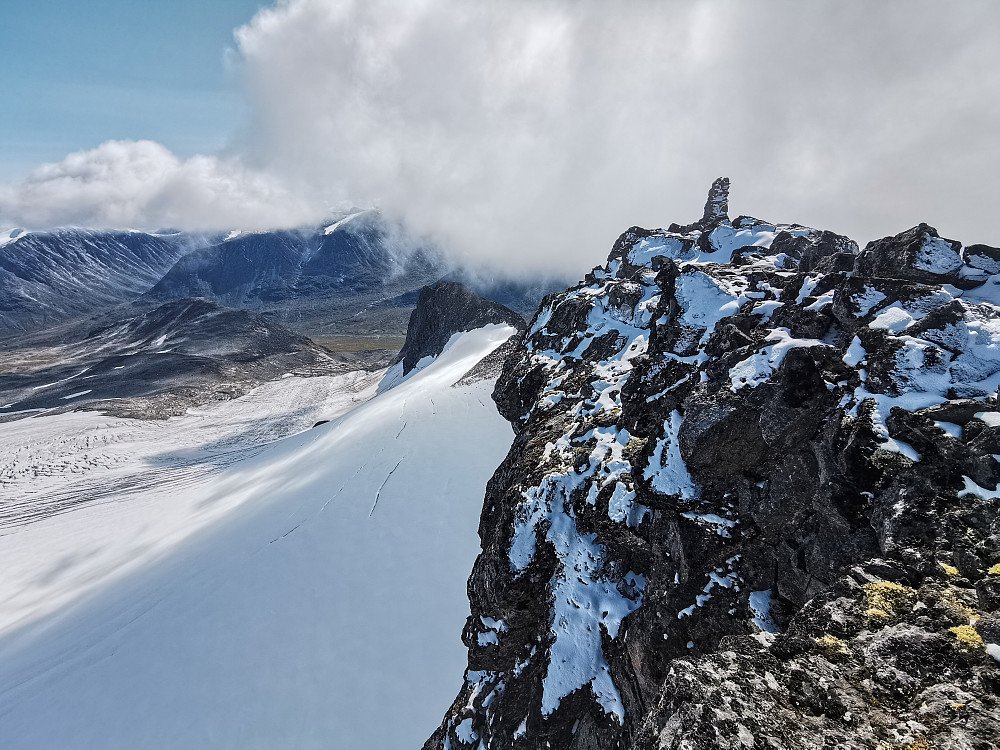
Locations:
444 309
752 501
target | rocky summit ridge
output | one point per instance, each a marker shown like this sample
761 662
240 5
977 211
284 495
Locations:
752 500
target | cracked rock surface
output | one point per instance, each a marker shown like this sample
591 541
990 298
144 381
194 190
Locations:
752 500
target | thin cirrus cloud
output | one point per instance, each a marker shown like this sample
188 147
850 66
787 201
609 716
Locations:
532 133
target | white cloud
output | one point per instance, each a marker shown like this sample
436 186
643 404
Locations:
533 132
140 184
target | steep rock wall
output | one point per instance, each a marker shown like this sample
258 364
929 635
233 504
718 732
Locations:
446 308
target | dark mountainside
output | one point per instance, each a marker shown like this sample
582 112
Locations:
48 277
342 278
751 502
359 276
157 364
444 309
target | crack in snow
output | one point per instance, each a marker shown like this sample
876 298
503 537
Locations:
382 486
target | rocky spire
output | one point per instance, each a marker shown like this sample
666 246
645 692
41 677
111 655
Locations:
717 205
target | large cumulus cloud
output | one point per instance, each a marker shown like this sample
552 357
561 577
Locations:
142 184
531 132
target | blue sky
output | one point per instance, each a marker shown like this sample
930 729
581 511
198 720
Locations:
75 74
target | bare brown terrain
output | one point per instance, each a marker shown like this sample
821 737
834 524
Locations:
359 344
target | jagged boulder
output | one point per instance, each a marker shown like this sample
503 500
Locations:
919 254
752 501
983 257
444 309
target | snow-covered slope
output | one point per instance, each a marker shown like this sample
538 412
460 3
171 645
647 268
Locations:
319 605
97 472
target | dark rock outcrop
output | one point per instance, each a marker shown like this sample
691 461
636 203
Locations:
920 255
752 501
444 309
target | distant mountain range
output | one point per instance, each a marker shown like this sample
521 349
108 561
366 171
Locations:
48 277
357 276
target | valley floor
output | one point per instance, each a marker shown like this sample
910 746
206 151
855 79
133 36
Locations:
193 583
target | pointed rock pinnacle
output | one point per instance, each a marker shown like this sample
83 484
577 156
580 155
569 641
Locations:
717 205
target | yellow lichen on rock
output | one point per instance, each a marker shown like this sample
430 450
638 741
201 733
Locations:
831 644
995 570
949 569
968 636
885 598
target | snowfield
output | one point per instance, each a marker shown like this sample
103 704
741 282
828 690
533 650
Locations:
185 584
129 472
